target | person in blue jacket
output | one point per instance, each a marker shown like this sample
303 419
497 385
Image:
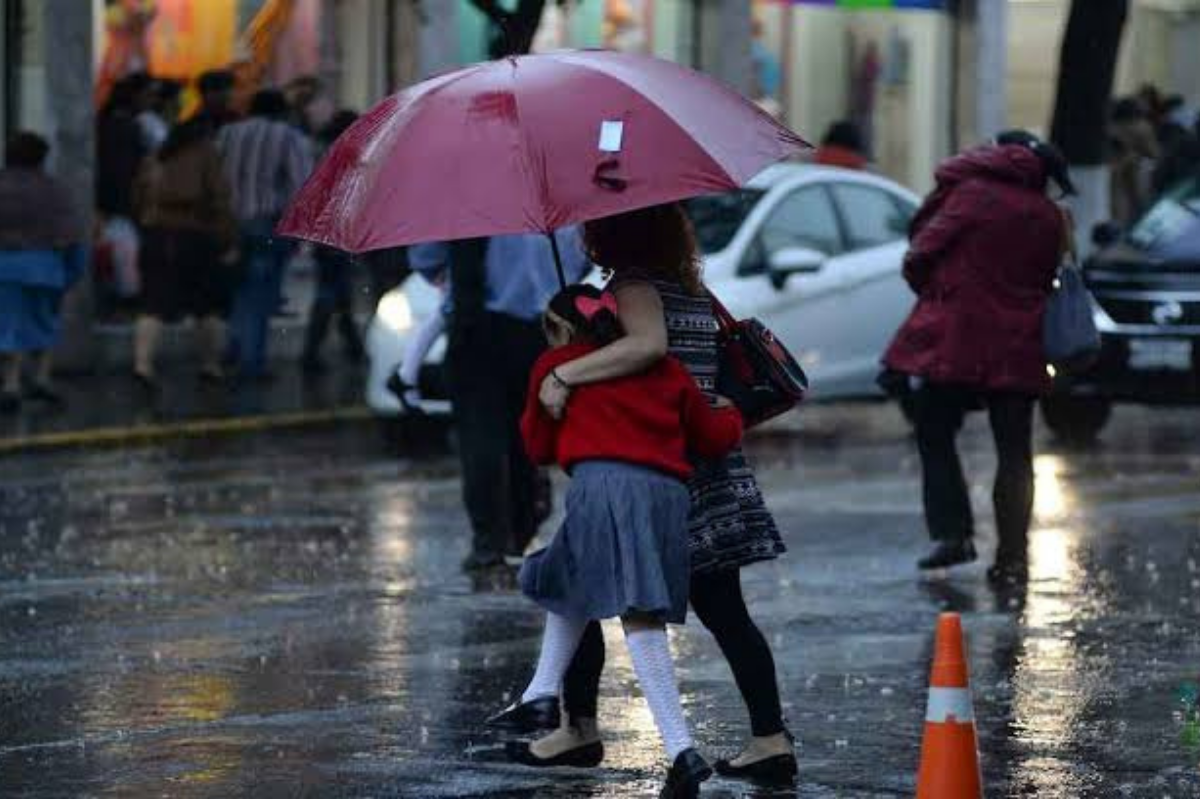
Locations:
41 256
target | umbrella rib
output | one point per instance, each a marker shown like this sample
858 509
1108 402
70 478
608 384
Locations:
526 156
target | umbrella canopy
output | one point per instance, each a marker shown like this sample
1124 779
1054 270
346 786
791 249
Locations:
531 144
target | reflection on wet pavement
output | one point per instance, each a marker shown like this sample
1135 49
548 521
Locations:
283 615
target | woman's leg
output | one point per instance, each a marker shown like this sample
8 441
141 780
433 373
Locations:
1011 416
651 656
581 684
718 602
145 343
12 372
10 383
212 345
44 370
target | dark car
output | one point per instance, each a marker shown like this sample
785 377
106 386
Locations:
1146 283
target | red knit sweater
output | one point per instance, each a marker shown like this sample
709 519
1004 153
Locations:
656 419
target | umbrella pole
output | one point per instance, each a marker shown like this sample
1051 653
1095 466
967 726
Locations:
562 277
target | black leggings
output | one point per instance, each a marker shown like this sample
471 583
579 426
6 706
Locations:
717 600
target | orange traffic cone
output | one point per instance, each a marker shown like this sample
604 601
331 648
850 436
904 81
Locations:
949 755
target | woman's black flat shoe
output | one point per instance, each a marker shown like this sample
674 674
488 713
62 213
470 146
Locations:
686 774
780 770
540 714
588 756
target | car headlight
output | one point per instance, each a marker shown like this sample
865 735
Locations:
394 311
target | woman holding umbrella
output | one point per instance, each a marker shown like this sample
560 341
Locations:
538 143
651 258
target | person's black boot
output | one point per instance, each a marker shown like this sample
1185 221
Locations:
539 714
10 403
686 774
948 554
1009 567
44 394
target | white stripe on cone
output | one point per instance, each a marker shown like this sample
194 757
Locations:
949 705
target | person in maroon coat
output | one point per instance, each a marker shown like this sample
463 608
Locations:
984 250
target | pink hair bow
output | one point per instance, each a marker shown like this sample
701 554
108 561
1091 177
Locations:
590 306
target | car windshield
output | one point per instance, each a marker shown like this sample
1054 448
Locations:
717 217
1171 228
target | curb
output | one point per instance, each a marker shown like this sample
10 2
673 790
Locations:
187 429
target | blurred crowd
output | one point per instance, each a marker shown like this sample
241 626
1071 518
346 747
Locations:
190 184
187 207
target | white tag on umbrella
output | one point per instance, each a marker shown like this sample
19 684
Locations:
611 133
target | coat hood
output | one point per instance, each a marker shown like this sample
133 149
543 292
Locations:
1011 164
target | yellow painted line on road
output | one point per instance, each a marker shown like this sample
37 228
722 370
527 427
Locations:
142 434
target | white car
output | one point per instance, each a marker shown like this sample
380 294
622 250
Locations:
813 252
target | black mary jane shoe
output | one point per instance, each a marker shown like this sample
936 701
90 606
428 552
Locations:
777 770
539 714
586 756
686 774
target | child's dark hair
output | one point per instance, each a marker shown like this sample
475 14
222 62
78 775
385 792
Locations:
591 312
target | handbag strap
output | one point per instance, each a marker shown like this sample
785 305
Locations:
725 320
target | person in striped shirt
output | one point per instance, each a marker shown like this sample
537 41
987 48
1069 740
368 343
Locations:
266 160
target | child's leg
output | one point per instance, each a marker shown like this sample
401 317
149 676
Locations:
415 351
559 642
651 658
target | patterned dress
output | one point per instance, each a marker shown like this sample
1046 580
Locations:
729 523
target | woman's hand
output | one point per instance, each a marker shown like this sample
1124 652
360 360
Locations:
721 401
553 396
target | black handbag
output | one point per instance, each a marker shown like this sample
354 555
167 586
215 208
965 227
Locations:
755 370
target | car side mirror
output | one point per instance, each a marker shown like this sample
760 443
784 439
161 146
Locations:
1106 234
789 261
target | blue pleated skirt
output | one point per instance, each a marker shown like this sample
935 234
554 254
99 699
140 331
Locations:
622 547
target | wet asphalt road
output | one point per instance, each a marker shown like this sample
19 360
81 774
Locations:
282 615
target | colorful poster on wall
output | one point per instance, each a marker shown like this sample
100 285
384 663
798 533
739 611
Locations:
864 4
625 25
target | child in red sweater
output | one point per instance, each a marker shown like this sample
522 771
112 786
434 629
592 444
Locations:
622 550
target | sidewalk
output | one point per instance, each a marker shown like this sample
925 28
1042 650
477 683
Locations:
108 407
105 406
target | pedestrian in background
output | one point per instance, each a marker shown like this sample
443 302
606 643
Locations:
984 251
334 298
216 99
183 203
652 259
120 149
842 146
41 256
120 146
159 113
1133 151
498 289
266 161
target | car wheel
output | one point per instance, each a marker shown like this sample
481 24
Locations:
1076 420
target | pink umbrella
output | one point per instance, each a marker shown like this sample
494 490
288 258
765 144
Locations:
531 144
